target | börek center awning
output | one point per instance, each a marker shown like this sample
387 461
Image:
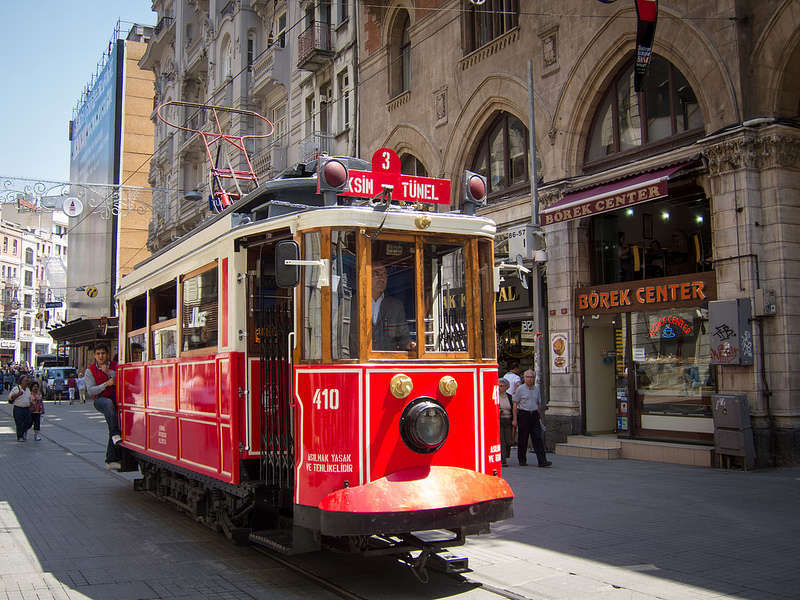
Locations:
611 196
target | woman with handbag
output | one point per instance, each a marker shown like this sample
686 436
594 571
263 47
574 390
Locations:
20 397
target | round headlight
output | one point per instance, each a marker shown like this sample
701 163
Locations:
424 425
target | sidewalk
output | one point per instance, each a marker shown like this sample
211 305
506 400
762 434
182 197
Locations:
585 529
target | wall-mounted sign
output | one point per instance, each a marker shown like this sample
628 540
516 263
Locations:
559 352
513 295
648 294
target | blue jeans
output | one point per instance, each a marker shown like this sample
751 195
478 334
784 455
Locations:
23 420
109 410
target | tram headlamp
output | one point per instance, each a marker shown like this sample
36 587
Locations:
424 425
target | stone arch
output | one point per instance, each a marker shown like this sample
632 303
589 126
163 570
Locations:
776 63
498 92
600 60
396 18
407 138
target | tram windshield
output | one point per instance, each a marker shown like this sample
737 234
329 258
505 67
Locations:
418 295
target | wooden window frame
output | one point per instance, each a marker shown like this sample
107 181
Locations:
205 350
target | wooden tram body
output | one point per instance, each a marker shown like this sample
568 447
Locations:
266 412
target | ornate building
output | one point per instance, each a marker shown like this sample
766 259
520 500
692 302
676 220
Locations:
654 203
292 62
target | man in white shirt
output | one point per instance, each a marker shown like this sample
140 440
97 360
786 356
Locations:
512 377
20 396
527 418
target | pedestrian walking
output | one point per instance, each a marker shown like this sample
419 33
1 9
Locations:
513 376
527 407
506 420
100 378
37 409
20 397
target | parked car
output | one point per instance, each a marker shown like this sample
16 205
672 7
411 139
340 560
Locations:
55 382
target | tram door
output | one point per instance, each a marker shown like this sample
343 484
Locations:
270 321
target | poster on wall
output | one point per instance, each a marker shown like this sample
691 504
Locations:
559 353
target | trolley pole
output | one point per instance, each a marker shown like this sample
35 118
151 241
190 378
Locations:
540 324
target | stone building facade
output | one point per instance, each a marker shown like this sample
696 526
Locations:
292 62
680 195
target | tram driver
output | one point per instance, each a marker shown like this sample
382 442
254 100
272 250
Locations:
389 325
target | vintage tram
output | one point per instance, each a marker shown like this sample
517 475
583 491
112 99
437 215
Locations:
308 370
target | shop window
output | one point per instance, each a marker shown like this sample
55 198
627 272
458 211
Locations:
400 56
650 240
502 155
674 377
199 310
487 21
629 121
445 300
344 295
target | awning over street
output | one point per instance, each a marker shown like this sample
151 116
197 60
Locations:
84 332
611 196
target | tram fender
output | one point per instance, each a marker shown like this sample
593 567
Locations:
420 498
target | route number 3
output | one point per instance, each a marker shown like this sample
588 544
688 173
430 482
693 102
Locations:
327 399
385 164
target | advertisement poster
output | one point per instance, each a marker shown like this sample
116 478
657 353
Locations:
559 353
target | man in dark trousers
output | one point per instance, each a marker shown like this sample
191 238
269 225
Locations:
527 418
389 326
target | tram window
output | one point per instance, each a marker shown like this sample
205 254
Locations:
199 310
393 296
136 329
344 295
445 289
486 331
163 308
312 307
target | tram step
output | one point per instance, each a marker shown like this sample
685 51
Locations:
286 541
447 562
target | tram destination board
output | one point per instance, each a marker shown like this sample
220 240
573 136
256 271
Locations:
405 188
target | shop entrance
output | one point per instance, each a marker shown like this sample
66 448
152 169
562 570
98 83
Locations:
599 335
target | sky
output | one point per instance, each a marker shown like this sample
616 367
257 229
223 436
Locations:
49 51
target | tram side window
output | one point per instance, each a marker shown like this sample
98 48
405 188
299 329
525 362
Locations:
163 308
136 327
486 331
445 298
199 310
393 296
312 307
344 295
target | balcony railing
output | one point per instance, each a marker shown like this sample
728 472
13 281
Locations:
269 161
315 144
314 47
163 24
271 67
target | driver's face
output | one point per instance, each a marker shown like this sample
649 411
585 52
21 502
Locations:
378 281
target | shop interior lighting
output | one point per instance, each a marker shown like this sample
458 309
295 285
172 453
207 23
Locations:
665 216
629 212
698 219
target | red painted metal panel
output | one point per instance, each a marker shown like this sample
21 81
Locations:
198 387
492 452
388 453
162 434
161 386
199 444
253 406
133 427
223 309
228 450
226 388
328 410
133 391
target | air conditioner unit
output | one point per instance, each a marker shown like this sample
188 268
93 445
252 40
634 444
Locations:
521 242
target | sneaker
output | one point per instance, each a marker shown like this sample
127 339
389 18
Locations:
37 437
116 439
113 466
546 463
20 439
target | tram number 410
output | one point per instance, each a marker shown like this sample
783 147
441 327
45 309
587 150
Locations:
326 399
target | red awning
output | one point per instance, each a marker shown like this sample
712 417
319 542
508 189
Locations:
611 196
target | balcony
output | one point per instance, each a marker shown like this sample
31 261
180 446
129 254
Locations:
314 47
270 161
164 152
164 23
159 44
271 68
315 144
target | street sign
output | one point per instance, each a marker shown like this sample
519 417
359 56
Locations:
405 188
55 304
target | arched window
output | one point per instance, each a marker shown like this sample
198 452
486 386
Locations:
502 154
487 21
411 165
225 60
626 120
400 56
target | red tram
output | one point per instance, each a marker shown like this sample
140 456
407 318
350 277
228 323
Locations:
307 371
